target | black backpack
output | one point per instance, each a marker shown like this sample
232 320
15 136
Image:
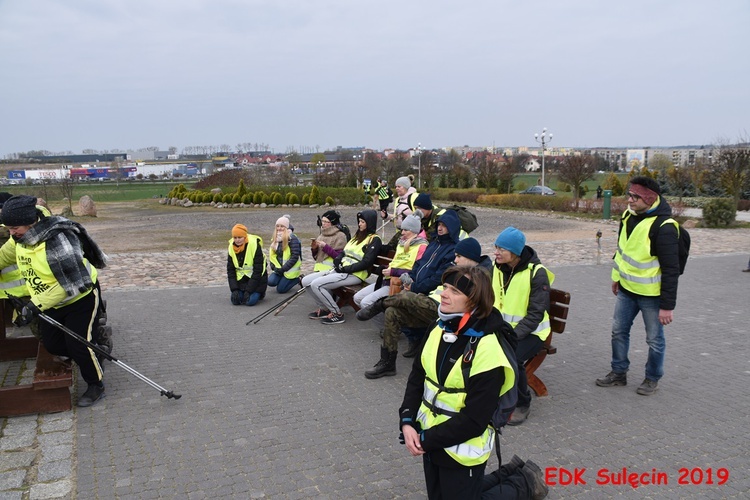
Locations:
468 220
345 229
683 239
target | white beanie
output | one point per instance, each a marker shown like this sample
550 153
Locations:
404 182
283 221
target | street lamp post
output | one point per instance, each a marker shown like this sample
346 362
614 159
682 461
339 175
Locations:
419 165
543 139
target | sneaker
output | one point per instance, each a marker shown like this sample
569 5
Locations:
535 479
333 319
319 313
372 310
613 379
647 387
519 415
746 270
93 394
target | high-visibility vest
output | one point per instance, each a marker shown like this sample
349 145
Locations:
34 268
409 205
354 252
12 283
295 270
441 402
403 259
513 304
382 193
634 267
246 269
324 265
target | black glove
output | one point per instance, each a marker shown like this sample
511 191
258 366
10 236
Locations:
278 272
236 295
29 312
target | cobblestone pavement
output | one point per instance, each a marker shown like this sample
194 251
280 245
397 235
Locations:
289 414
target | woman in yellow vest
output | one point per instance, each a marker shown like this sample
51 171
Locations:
351 267
284 256
445 417
58 260
246 267
329 244
411 246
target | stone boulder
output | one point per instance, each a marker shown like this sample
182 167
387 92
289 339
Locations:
87 206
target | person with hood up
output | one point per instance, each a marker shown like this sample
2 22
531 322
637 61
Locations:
285 256
521 285
415 306
246 267
350 267
59 262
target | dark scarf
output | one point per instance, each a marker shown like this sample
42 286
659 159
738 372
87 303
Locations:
67 243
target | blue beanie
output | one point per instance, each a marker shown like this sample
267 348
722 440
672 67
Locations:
423 201
470 249
511 239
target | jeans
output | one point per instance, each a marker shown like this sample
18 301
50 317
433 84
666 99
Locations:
281 283
626 309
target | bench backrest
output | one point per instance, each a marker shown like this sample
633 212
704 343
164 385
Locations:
559 303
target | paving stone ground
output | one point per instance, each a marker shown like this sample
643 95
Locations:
282 409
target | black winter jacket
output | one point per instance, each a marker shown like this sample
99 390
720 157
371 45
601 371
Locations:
258 281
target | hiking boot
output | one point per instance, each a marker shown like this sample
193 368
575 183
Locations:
534 479
333 319
372 310
319 313
511 467
93 394
386 367
412 350
519 415
647 387
613 379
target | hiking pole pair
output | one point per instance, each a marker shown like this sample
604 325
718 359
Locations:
18 304
278 307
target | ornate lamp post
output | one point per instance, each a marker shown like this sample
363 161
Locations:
543 139
419 166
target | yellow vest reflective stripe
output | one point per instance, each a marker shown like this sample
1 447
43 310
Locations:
246 269
440 403
295 270
634 267
382 193
325 265
406 260
354 252
514 303
12 283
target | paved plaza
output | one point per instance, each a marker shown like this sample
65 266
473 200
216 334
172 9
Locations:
282 409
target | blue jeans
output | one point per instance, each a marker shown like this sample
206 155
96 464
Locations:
282 284
626 309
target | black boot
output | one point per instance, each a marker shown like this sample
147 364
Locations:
535 479
412 350
372 310
386 367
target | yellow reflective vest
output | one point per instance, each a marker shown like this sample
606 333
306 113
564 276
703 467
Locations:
634 267
513 304
441 402
246 269
295 270
354 252
405 260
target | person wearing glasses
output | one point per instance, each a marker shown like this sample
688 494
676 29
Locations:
521 285
644 279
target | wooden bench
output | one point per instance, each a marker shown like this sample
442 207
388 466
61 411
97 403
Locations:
345 295
49 391
559 303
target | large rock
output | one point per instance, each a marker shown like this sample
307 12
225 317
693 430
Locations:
87 206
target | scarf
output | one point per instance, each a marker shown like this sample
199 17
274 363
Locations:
67 243
241 248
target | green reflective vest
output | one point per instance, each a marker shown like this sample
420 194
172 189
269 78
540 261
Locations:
354 252
513 304
246 269
295 270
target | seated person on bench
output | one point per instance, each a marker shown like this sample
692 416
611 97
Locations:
351 267
59 260
521 285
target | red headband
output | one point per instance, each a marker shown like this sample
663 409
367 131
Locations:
648 196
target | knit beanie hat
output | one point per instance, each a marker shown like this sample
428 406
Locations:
20 210
239 231
411 223
404 182
333 216
512 240
470 249
423 201
283 221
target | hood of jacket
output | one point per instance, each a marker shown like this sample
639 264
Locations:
371 218
453 223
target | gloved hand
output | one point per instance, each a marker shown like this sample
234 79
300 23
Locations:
236 296
29 312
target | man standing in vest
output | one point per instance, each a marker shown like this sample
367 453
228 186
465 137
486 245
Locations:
644 279
521 285
385 195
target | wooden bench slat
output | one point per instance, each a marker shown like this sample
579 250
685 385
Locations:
559 307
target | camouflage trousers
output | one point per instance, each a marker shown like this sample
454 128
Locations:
410 309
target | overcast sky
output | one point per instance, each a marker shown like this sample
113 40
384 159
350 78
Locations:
106 74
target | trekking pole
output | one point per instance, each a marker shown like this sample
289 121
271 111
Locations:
164 392
291 299
268 311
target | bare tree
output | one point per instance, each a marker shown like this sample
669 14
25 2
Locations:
575 170
485 171
66 186
733 166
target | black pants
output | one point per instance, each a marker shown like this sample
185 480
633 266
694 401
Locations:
444 483
500 486
527 349
78 317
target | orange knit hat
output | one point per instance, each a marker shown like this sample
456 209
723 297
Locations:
239 231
